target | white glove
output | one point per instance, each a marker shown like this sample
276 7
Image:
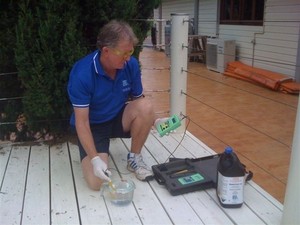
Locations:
100 169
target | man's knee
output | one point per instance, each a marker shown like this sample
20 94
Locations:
146 107
94 183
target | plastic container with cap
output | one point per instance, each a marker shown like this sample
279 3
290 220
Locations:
230 180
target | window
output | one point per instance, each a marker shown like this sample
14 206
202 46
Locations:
242 12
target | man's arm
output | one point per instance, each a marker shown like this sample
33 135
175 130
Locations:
84 131
87 141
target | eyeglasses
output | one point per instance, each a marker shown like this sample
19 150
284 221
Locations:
122 53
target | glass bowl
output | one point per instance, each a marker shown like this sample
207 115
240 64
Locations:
121 192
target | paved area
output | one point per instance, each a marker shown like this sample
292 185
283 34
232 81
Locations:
257 122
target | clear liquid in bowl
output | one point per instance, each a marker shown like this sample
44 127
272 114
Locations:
122 193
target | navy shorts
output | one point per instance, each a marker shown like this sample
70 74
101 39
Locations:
103 132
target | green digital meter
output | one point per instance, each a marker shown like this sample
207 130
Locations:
166 127
197 177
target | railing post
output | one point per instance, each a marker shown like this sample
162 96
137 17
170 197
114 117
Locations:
179 51
292 194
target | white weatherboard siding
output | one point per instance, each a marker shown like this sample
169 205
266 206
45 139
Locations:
207 23
177 6
168 7
273 46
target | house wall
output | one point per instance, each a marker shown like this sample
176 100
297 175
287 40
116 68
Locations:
208 17
177 6
164 13
273 46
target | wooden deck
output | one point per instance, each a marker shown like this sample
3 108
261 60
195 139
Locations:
43 184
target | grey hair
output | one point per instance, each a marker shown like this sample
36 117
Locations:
113 32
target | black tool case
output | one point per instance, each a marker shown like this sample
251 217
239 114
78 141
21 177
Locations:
186 175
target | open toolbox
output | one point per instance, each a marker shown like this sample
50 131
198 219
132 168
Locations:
186 175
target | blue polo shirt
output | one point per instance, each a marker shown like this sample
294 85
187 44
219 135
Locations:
89 86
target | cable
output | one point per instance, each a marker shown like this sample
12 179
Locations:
36 121
184 133
160 69
235 119
119 172
9 73
12 98
241 153
238 88
166 90
172 153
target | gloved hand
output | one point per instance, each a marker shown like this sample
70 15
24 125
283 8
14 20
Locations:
100 169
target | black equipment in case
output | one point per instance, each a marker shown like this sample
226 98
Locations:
186 175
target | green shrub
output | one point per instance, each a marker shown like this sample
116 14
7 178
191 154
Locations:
48 43
42 43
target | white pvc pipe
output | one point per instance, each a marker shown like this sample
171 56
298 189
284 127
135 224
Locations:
291 209
179 51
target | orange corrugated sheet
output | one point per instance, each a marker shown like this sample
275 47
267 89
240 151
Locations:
266 78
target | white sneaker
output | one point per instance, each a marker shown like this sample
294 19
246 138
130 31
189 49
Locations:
136 164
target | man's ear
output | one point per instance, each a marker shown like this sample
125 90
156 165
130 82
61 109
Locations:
105 50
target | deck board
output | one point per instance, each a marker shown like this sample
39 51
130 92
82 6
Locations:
12 188
90 203
37 187
63 197
269 211
44 184
4 155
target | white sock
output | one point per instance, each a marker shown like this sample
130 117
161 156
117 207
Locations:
131 155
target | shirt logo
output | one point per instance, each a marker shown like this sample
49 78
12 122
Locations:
126 87
125 83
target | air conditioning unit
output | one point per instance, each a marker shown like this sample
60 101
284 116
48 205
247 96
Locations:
218 53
